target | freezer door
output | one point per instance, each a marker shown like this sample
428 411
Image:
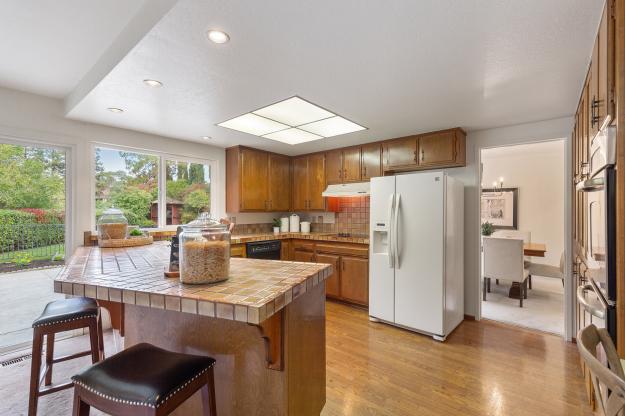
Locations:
381 268
419 244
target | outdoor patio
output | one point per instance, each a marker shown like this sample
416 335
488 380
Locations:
24 296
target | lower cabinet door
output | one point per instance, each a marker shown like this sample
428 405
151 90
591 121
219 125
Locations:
354 281
305 256
333 288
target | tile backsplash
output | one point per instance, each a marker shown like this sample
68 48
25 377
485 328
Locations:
353 217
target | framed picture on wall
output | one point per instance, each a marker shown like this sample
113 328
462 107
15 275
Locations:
500 207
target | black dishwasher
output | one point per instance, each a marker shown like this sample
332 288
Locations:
269 250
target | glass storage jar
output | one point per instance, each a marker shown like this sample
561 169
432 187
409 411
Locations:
204 251
112 224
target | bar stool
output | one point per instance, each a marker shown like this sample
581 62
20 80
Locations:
144 380
59 316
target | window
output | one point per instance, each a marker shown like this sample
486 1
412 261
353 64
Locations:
133 182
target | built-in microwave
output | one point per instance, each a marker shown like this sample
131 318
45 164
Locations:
600 254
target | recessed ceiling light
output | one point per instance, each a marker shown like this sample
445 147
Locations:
292 121
253 124
115 110
206 137
332 127
218 36
293 136
152 83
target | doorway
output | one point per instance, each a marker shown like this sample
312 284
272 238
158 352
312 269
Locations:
522 216
33 202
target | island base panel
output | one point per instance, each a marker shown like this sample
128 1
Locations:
243 382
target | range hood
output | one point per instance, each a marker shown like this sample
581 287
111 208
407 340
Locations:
347 190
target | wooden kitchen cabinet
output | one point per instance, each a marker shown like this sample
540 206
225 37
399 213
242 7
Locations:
254 174
238 250
279 182
355 280
437 149
309 181
351 165
343 165
332 282
257 180
371 161
334 167
305 256
316 181
400 153
285 250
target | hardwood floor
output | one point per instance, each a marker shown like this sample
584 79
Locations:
484 368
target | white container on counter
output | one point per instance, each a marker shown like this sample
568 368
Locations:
305 226
284 224
294 223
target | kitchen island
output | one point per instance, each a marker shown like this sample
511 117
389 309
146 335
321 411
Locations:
265 325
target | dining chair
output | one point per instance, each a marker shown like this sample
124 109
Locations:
526 236
608 381
547 270
503 260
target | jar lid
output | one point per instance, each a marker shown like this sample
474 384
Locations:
204 221
113 211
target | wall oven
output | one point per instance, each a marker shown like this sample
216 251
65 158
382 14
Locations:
600 254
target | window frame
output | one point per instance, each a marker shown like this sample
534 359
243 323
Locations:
163 157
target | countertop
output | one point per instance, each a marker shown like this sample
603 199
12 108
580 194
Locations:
246 238
135 275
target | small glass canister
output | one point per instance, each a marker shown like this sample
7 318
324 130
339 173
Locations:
112 224
204 251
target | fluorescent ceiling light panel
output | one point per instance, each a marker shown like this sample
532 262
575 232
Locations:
293 136
253 124
332 127
294 111
292 121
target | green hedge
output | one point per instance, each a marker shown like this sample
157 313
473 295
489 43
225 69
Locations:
19 230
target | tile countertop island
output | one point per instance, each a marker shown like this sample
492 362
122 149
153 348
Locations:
265 325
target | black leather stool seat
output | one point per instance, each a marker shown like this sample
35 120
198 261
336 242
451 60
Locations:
143 375
66 310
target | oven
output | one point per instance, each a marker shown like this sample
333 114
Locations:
269 250
600 255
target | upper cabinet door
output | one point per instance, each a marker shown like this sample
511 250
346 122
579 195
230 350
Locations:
279 183
371 161
316 181
254 172
300 183
605 70
334 167
351 164
437 149
593 91
400 153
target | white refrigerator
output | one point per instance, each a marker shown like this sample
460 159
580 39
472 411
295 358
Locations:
416 253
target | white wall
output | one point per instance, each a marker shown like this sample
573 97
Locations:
34 118
470 176
537 170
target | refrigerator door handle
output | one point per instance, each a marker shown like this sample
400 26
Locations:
391 254
396 231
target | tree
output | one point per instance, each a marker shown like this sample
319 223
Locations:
194 203
196 173
135 203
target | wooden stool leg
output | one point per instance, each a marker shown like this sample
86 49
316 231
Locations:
208 395
80 408
35 367
100 337
49 358
95 343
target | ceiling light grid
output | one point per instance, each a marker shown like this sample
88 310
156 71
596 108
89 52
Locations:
292 121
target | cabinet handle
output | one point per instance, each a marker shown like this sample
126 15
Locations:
340 173
343 264
594 116
416 160
364 171
422 155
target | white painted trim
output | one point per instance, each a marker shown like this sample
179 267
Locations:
70 183
569 290
216 184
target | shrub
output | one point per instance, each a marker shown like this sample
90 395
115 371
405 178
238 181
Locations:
11 217
487 229
20 230
22 259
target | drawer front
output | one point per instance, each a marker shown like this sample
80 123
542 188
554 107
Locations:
349 249
237 250
303 245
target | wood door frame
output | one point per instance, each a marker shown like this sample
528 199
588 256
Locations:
569 289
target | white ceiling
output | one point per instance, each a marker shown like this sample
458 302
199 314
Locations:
48 45
548 148
397 67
